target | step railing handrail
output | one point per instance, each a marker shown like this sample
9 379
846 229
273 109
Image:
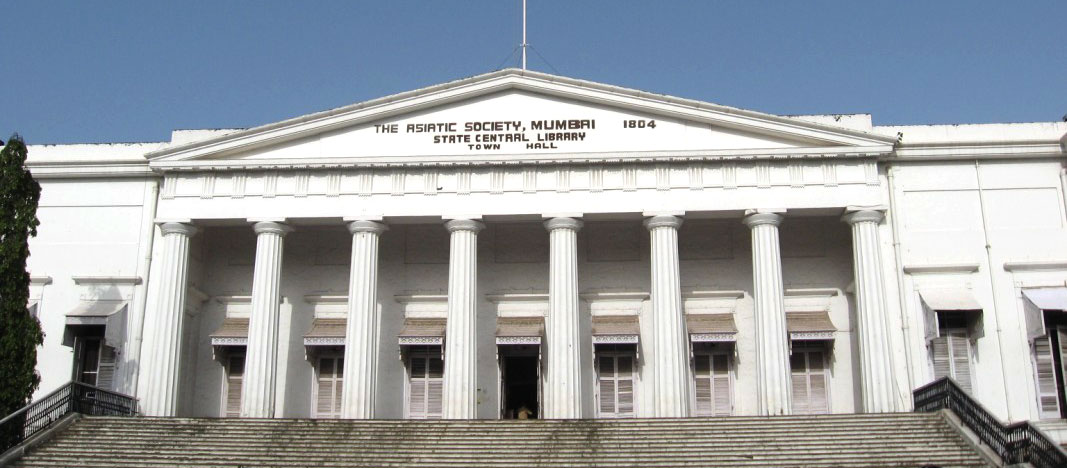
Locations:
1020 442
71 397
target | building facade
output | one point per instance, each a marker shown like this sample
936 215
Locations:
519 244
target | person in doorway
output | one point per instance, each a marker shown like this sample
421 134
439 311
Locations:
525 412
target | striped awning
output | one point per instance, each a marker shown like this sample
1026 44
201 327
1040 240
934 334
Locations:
711 328
519 330
326 332
622 329
232 332
422 331
809 326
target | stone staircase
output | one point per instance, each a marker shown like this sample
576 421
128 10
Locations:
902 439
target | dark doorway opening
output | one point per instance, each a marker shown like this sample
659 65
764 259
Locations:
520 385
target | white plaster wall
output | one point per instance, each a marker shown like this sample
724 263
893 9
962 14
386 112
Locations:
946 220
88 228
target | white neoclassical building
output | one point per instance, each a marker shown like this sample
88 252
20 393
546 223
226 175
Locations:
518 244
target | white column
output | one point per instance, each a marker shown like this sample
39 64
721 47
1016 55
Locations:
670 347
877 384
261 359
563 379
362 328
164 346
461 352
772 339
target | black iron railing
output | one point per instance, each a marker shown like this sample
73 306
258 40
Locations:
1014 443
73 397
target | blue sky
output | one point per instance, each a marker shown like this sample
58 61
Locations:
133 71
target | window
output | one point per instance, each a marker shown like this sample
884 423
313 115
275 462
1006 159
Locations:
425 383
329 371
950 353
810 379
1049 351
235 372
94 362
711 374
615 381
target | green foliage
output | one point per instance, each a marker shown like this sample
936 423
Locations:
20 333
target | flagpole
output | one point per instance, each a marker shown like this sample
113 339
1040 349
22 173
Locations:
523 34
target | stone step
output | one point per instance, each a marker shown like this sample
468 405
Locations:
905 439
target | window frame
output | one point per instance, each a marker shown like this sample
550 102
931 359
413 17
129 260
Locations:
616 351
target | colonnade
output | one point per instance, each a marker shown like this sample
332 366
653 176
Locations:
562 383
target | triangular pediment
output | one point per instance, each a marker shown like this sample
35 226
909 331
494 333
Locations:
515 115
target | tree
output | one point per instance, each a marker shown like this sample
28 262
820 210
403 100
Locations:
20 333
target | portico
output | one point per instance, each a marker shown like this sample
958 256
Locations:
645 229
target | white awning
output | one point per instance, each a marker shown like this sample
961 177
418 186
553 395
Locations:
1048 298
94 312
949 299
110 314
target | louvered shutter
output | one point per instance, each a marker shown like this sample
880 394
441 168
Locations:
106 374
960 349
235 371
426 387
810 382
606 378
799 380
626 386
930 318
721 388
328 387
817 378
940 357
417 387
703 381
435 388
712 378
1047 398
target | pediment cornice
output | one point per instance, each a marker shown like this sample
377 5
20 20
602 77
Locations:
820 139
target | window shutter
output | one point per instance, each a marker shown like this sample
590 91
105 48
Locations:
417 388
721 385
426 387
810 382
960 349
435 388
1047 399
106 375
626 386
703 384
235 371
799 380
328 387
607 385
940 358
932 327
817 377
711 373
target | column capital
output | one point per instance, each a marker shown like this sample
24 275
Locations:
669 221
185 229
757 219
271 227
367 226
864 216
464 225
563 223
